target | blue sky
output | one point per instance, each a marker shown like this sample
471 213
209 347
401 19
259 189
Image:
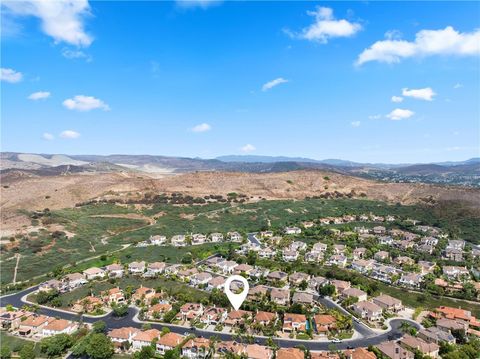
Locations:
363 81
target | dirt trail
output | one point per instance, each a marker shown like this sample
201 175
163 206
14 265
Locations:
16 269
150 220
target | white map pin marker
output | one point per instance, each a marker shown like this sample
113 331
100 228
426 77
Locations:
236 299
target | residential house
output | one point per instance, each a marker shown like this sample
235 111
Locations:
59 326
355 293
266 252
74 280
158 240
145 338
52 284
289 255
144 294
412 280
234 236
94 273
137 267
388 303
243 268
384 273
198 238
393 350
368 310
323 323
178 240
453 254
213 315
122 337
216 237
360 353
319 247
403 260
168 341
454 313
33 325
359 253
114 270
456 244
298 277
316 282
362 265
277 276
156 268
256 351
381 256
302 298
280 296
196 348
237 317
313 256
338 259
266 234
157 311
426 267
292 230
385 240
265 318
187 274
226 348
436 335
294 323
339 249
379 230
201 279
12 319
190 311
88 304
412 343
216 283
113 296
298 246
227 267
257 292
448 325
455 272
289 353
258 273
340 285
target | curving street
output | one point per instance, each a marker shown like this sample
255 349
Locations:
368 336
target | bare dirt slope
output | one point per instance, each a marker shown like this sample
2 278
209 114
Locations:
54 192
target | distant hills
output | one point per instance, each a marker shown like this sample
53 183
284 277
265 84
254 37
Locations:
457 173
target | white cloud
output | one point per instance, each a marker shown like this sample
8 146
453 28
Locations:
62 20
197 3
446 41
400 114
374 117
40 95
248 148
85 103
355 124
326 27
76 54
48 136
10 75
397 99
420 94
203 127
267 86
69 134
457 86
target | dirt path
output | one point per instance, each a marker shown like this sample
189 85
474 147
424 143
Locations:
149 220
93 248
16 269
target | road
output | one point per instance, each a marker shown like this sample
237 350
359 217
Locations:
369 337
252 237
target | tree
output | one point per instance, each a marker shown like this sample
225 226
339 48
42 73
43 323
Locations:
327 290
99 346
147 352
120 310
55 345
5 352
99 327
27 351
